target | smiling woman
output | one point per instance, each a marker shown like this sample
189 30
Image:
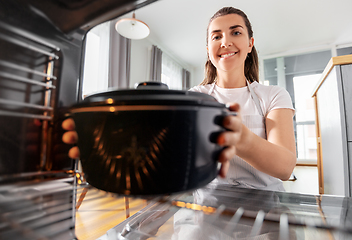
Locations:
228 47
260 149
220 34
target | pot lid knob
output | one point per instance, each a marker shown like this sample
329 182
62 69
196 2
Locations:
151 85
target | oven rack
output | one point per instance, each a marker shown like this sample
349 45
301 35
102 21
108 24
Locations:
237 217
38 209
43 208
30 73
43 205
256 220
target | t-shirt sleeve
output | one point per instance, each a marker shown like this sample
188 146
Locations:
280 99
195 89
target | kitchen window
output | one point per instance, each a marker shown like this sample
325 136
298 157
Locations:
299 74
305 117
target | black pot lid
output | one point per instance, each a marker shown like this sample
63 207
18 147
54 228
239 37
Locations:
150 93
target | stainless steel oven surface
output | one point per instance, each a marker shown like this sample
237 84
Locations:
41 189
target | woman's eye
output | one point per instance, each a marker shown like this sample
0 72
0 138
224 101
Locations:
216 38
236 33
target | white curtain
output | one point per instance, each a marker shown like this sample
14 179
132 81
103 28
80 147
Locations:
107 60
96 63
171 73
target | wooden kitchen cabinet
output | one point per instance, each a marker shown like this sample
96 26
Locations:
333 97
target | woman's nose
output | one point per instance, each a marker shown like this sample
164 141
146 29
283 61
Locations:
226 42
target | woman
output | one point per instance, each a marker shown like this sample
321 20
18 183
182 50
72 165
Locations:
260 146
261 150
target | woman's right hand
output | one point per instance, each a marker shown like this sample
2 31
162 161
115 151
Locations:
70 137
229 139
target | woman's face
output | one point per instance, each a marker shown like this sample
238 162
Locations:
228 42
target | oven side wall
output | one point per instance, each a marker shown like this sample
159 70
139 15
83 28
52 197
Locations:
30 137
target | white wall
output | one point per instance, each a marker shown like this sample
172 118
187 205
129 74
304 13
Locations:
198 75
140 60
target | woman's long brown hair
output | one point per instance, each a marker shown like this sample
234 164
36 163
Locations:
251 66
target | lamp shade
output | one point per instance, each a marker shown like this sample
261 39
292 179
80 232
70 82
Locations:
132 28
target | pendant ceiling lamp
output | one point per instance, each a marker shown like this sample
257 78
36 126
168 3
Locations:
132 28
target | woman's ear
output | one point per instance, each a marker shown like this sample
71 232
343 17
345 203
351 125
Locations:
251 44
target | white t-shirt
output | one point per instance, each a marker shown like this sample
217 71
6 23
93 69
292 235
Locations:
270 98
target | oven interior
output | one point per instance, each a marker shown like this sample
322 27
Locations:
41 56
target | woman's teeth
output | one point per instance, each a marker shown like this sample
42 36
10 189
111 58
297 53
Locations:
227 55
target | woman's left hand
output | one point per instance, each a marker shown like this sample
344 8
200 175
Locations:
229 139
70 137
